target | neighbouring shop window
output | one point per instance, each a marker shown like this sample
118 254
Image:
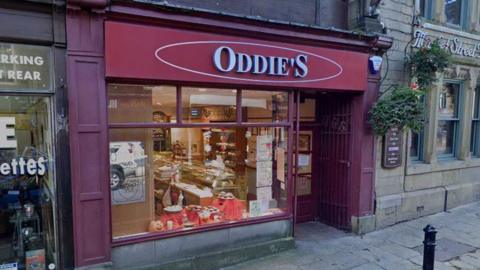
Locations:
27 187
416 142
212 169
475 137
456 11
448 118
416 146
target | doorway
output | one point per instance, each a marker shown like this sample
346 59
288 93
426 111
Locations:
324 159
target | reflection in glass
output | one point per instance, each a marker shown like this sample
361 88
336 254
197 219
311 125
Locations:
445 137
138 103
209 105
448 100
264 106
204 176
27 200
414 145
453 9
475 135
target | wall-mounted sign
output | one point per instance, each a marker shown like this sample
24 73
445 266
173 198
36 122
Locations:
170 54
24 67
392 149
259 64
453 45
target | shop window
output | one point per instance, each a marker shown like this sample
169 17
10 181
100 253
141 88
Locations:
456 12
209 105
202 172
137 103
264 106
27 188
416 146
448 118
475 137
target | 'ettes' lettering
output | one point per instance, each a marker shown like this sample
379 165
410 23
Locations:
226 59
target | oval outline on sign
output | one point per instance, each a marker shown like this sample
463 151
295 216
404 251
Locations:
249 44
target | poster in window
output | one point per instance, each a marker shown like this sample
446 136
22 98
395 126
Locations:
304 163
304 185
264 148
127 172
304 142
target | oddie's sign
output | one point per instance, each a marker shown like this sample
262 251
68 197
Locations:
235 63
18 166
259 64
180 56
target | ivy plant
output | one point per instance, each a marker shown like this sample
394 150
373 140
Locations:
402 108
424 62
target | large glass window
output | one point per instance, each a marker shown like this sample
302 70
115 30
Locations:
448 111
213 168
475 136
27 201
455 11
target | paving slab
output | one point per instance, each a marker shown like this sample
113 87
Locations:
448 249
320 247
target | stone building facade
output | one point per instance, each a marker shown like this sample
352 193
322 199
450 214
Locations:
440 167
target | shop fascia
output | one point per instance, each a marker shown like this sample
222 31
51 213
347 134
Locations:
18 166
453 45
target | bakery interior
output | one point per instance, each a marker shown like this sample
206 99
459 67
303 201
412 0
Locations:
206 169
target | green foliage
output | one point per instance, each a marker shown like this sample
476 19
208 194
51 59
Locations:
402 108
426 61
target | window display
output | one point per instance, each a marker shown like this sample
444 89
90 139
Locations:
448 119
27 231
180 177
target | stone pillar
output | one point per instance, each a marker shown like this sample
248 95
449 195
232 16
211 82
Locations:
431 103
466 104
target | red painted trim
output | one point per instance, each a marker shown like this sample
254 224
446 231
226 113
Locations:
164 235
179 108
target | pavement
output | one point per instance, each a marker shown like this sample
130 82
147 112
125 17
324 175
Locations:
397 247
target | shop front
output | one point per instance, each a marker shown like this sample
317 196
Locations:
185 136
30 178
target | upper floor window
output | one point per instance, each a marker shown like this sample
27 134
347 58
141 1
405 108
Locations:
426 8
455 12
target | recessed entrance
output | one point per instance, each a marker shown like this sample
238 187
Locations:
324 159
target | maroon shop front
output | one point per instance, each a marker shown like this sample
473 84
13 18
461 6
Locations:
197 141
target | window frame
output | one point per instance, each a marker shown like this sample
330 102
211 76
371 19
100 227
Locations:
429 7
475 129
420 140
464 15
288 125
455 120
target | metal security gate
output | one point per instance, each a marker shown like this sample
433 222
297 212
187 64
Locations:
334 135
